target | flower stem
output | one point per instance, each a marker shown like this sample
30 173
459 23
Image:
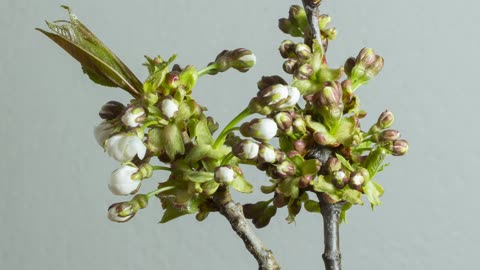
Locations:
161 168
221 137
207 69
158 191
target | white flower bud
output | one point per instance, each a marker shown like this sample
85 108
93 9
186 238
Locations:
246 150
224 174
102 132
124 147
249 58
133 116
267 154
357 180
169 107
121 182
263 129
294 95
275 93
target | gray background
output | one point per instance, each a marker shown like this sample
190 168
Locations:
54 175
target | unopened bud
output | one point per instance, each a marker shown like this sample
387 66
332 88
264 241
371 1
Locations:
358 178
304 72
283 170
365 57
323 138
340 179
300 146
303 51
268 81
244 60
292 98
389 135
348 66
224 174
122 182
288 27
305 181
122 212
111 110
284 121
279 200
298 16
333 164
290 65
330 33
299 127
324 21
287 49
267 154
169 107
246 150
261 129
385 120
172 80
133 116
273 94
399 147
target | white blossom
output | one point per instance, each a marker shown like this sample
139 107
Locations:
121 182
123 147
294 95
267 154
263 129
248 58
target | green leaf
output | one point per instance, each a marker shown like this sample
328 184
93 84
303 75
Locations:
345 131
197 177
321 185
158 76
374 161
241 185
289 187
202 132
197 153
345 162
310 167
312 206
154 143
171 139
98 62
352 196
373 191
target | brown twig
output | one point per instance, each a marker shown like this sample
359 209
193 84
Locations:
234 214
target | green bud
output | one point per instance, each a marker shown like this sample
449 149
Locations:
385 120
333 164
111 110
367 66
188 77
122 212
287 49
304 72
323 138
284 121
303 51
283 170
298 16
290 66
389 135
324 21
242 59
268 81
348 66
288 27
299 127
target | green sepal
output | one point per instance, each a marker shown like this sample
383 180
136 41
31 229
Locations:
310 167
374 161
98 62
241 185
345 162
294 208
289 187
201 132
312 206
198 152
195 176
171 139
373 191
320 184
210 187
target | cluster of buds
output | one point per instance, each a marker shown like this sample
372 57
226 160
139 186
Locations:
274 95
296 24
298 59
364 67
239 59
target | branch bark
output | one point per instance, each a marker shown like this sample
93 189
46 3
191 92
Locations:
312 8
332 257
234 214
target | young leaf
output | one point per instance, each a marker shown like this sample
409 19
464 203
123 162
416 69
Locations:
345 162
241 185
312 206
373 191
98 62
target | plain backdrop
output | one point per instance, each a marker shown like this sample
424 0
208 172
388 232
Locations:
54 175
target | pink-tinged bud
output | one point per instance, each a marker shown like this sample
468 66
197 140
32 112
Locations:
124 147
224 174
385 120
300 146
246 150
284 121
268 81
287 49
111 110
340 179
290 66
389 135
305 181
133 117
322 138
121 212
122 182
365 57
172 79
260 129
367 65
267 154
303 51
399 147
